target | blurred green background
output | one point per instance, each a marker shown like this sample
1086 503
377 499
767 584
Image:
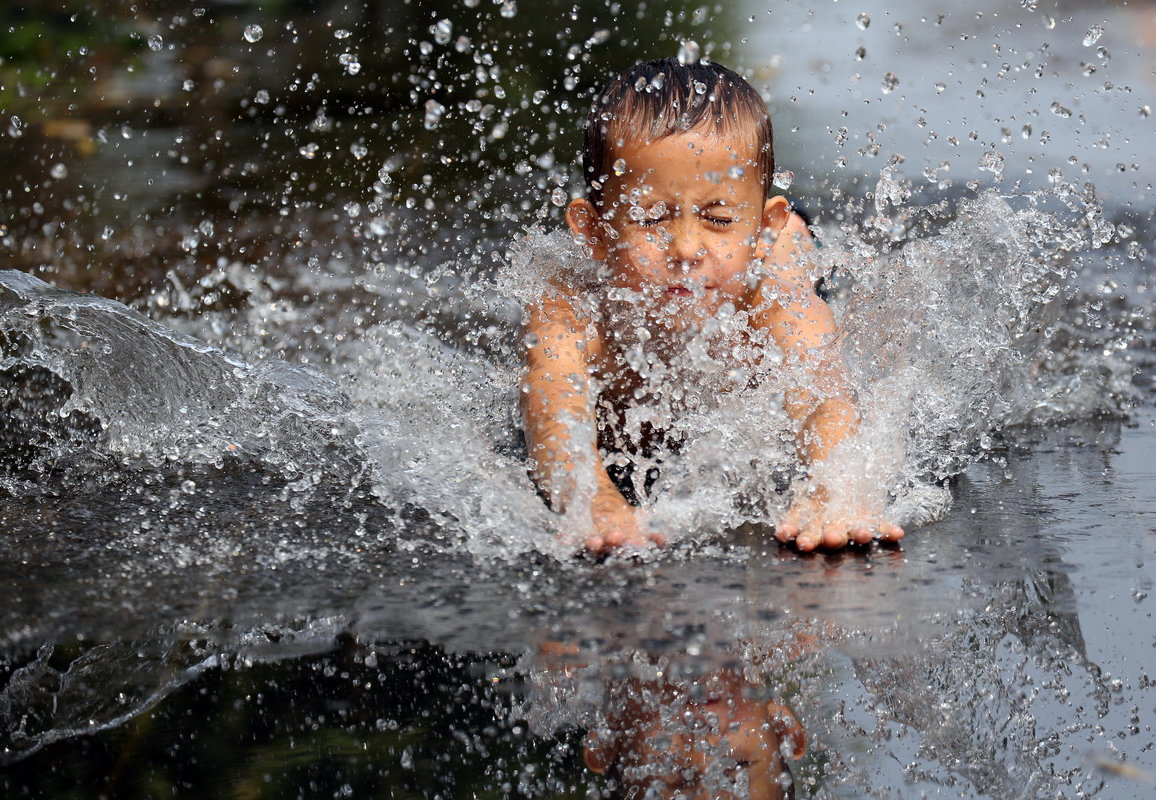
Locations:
142 139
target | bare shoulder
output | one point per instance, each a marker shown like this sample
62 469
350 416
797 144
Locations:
787 282
560 324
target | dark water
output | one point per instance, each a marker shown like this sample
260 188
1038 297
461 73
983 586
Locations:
303 559
1001 652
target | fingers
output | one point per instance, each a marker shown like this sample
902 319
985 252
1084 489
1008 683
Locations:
787 532
890 533
611 539
835 536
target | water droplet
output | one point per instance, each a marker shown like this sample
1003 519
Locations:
359 151
350 62
783 179
1145 111
1026 132
308 150
735 172
539 96
442 31
58 171
890 81
1093 35
993 162
509 9
940 88
341 33
433 114
861 54
863 21
15 125
253 33
1049 22
689 52
620 166
156 42
699 87
262 97
558 197
1060 111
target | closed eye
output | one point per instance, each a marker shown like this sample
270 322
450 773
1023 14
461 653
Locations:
721 222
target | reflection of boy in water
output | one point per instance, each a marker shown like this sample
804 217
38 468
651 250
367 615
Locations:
717 740
678 162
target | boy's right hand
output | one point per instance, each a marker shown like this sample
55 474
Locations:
618 524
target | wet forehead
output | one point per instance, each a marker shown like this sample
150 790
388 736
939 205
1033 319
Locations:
691 165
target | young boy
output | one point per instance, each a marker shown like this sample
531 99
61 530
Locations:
678 162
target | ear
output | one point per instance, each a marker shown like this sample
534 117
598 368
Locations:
776 215
582 219
599 751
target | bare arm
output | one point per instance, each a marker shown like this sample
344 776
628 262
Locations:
823 405
558 412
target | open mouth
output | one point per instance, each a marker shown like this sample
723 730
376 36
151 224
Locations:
680 291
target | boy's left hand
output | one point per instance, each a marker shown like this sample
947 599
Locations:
812 522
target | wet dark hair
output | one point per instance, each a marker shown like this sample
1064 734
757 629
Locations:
656 99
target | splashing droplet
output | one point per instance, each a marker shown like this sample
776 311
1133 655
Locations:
992 162
783 179
689 52
1061 111
359 151
864 21
890 81
309 150
1145 111
1026 132
442 31
1093 35
940 88
156 42
558 197
620 166
253 33
861 54
509 9
59 171
433 114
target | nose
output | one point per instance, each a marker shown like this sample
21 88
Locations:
685 248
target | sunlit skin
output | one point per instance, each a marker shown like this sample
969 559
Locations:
683 224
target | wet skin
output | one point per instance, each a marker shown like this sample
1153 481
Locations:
669 745
682 226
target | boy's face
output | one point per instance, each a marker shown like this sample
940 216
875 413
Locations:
680 220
